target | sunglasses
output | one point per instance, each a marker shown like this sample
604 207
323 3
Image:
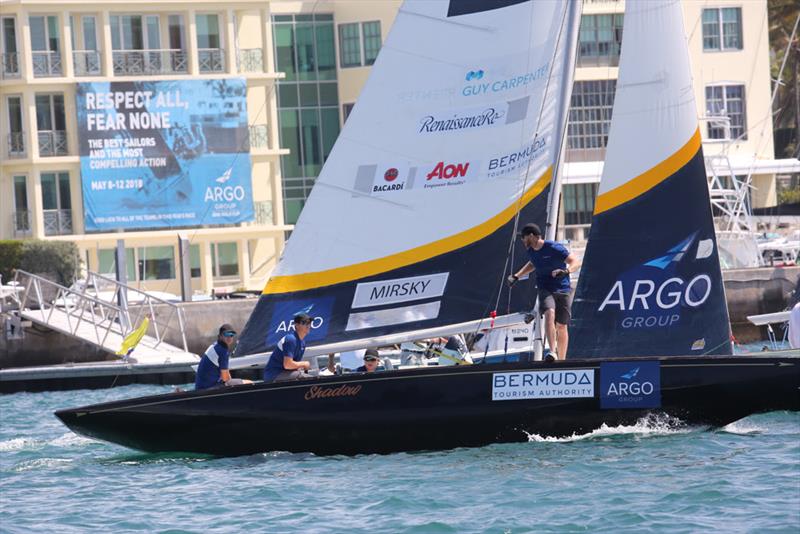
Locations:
308 322
229 334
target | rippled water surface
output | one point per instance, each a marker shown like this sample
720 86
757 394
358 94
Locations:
652 476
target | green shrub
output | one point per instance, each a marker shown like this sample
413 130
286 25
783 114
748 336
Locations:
10 258
790 196
56 258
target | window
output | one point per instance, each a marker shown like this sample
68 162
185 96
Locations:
89 32
44 33
21 215
346 110
357 41
600 40
208 31
194 261
308 102
349 45
372 41
51 125
8 37
722 28
579 203
590 114
134 32
176 33
107 263
16 137
156 263
225 259
56 203
726 101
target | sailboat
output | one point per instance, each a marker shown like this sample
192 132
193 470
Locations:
410 232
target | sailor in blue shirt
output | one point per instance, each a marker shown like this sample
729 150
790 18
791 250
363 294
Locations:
213 369
286 361
553 263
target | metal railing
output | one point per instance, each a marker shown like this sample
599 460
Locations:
21 223
9 67
16 145
47 64
258 136
250 60
107 312
211 59
52 142
86 62
57 222
143 62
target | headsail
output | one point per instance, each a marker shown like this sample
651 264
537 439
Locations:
409 223
651 282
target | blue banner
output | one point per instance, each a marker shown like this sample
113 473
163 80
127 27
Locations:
160 154
635 384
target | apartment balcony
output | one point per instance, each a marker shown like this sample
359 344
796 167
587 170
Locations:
258 136
211 59
57 222
251 60
47 64
16 145
598 60
86 62
52 143
21 223
147 62
263 212
9 65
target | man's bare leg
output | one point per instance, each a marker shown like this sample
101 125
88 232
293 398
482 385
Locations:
550 329
562 333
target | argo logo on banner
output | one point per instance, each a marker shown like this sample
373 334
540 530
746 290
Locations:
281 322
630 384
654 294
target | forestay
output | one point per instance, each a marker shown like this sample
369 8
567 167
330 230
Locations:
651 282
409 223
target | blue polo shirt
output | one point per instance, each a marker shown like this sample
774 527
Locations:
551 256
290 345
214 359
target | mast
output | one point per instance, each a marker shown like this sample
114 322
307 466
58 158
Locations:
567 75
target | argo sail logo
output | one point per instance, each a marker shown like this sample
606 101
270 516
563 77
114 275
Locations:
630 384
282 323
656 293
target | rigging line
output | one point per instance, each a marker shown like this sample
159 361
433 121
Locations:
510 250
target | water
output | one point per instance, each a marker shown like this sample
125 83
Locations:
655 476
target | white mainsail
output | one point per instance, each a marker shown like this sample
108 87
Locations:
409 223
651 282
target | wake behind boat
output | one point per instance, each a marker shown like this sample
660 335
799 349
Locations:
444 175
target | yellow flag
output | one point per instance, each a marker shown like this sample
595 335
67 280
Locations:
133 339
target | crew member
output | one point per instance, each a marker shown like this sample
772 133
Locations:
286 361
371 359
213 369
553 263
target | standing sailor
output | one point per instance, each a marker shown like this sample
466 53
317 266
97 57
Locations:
213 369
286 361
553 264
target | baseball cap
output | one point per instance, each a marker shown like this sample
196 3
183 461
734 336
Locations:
226 328
371 355
302 317
529 229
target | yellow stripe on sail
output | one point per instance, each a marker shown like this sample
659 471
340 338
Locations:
304 281
133 339
649 179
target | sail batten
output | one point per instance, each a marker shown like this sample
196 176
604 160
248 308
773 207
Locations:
456 129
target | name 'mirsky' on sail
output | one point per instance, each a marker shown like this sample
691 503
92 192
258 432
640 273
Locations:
651 282
408 225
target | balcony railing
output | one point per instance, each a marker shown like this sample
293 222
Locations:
258 136
211 59
144 62
21 222
57 222
10 65
86 62
16 145
52 143
263 212
251 60
47 64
